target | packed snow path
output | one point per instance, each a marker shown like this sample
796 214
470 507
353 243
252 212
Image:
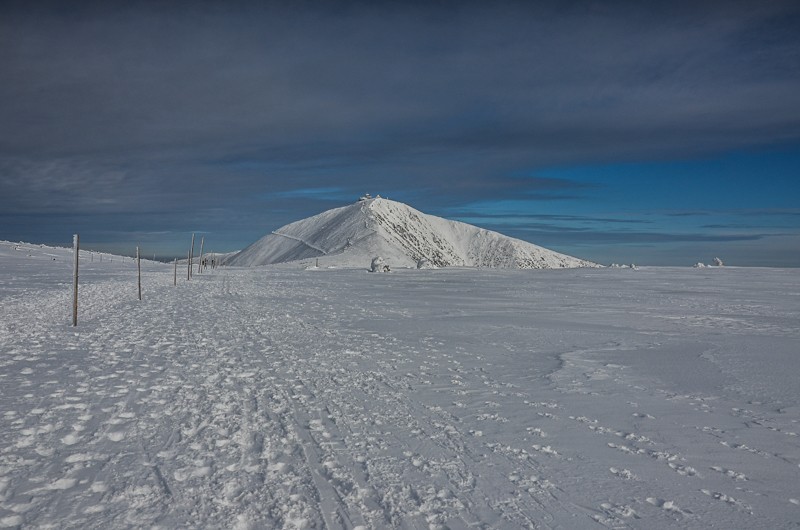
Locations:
271 398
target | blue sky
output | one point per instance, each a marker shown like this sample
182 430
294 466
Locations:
624 132
743 205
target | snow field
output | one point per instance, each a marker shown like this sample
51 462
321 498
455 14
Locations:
276 398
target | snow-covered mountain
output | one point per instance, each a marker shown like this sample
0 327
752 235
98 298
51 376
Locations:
354 234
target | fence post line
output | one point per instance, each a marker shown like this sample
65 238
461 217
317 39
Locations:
76 248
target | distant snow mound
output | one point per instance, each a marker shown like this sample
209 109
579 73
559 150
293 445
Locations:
352 235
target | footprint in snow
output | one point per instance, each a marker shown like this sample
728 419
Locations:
730 473
685 470
116 436
11 521
666 505
279 467
191 472
70 439
82 457
545 449
62 484
44 451
623 473
725 498
99 487
613 514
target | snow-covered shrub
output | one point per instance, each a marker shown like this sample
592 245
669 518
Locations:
718 262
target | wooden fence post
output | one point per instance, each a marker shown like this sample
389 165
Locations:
175 277
139 271
200 263
76 247
191 253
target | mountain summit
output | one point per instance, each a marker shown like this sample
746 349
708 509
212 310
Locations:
354 234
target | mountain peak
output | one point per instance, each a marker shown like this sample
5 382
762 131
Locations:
352 235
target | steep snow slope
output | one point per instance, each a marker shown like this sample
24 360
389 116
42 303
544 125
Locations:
352 235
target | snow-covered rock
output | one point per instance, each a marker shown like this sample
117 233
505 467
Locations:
352 235
425 264
377 264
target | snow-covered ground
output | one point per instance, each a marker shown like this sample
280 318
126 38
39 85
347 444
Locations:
276 397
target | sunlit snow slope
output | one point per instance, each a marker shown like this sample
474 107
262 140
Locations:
354 234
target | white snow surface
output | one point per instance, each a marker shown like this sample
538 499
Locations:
275 397
352 235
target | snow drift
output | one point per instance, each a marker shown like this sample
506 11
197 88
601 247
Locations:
352 235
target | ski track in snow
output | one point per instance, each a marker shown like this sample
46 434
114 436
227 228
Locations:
300 240
272 398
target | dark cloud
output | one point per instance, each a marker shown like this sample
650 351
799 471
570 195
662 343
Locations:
394 78
181 106
629 237
689 213
659 247
746 212
488 217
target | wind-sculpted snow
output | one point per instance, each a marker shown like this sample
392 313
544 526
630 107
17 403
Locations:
353 235
454 398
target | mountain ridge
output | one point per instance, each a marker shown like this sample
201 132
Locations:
352 235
